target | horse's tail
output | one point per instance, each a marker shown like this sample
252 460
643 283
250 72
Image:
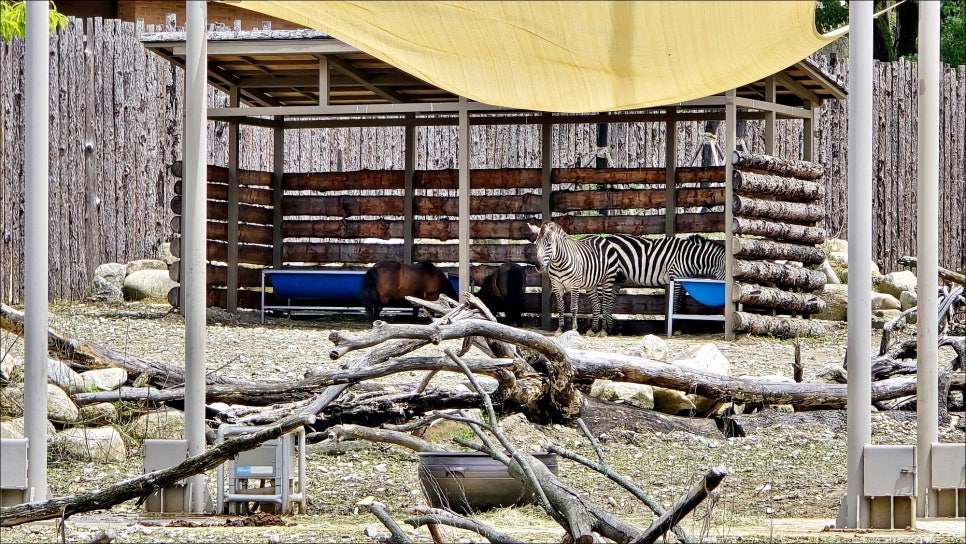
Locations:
513 299
369 294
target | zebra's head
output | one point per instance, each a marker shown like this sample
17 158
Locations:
547 235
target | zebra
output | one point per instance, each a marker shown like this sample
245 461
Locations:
575 266
654 262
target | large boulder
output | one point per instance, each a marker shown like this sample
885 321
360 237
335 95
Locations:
148 284
102 413
166 424
634 394
146 264
14 428
651 347
91 444
64 377
836 297
705 357
894 283
60 407
885 301
109 283
104 379
12 400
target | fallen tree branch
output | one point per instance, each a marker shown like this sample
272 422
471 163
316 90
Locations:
944 273
683 507
434 516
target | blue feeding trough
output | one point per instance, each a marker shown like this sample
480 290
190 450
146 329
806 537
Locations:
707 292
317 284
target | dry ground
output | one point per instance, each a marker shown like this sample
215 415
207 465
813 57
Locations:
786 477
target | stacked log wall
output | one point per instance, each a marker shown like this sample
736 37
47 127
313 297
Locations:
777 212
354 219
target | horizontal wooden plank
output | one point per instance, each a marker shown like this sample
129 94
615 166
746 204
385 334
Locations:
624 199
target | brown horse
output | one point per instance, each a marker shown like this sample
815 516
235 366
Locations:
390 282
503 291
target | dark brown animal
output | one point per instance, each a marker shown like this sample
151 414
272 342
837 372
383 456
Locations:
389 282
503 291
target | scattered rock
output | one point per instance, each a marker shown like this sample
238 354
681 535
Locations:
102 413
651 347
60 407
894 283
91 444
166 423
148 284
104 379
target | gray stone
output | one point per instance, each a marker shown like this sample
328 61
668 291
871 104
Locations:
670 401
570 339
7 365
12 400
63 376
881 317
102 413
112 273
836 297
634 394
831 373
165 255
60 408
885 301
148 284
708 358
91 444
146 264
14 428
831 275
105 291
166 423
651 347
104 379
894 283
909 299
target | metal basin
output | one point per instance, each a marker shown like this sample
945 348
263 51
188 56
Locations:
468 482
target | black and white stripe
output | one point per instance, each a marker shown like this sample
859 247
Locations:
654 262
575 266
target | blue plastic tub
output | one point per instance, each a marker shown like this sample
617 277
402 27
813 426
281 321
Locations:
317 284
707 292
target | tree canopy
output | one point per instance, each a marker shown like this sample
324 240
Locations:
895 32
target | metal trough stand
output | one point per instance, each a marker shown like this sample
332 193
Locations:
13 476
159 455
948 484
263 476
889 485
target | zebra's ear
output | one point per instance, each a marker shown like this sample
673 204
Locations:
533 228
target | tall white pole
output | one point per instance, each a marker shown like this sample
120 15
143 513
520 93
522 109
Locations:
927 249
194 235
36 267
859 351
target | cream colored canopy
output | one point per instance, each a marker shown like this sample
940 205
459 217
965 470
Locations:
571 56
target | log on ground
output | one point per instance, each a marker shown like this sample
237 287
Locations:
779 326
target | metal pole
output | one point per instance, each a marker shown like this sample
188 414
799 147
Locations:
36 267
859 351
195 220
463 156
731 124
927 250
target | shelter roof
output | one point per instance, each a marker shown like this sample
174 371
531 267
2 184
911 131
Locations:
287 68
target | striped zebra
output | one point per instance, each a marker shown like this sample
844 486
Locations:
654 262
575 266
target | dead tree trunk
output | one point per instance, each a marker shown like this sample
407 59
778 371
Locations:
780 326
777 209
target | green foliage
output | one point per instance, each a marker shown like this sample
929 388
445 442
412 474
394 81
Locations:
952 32
832 14
13 19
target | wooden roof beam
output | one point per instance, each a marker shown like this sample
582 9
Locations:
357 75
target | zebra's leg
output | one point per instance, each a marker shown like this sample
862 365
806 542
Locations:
561 309
596 328
608 297
574 300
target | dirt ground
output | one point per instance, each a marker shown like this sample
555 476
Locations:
785 480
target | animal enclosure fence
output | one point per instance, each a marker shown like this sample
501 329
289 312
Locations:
116 125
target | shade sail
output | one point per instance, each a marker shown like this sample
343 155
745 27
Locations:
571 56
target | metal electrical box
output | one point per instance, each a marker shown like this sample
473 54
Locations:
263 476
13 477
159 455
889 485
948 483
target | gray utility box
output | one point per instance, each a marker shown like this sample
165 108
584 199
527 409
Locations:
889 485
948 483
13 474
159 455
270 477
